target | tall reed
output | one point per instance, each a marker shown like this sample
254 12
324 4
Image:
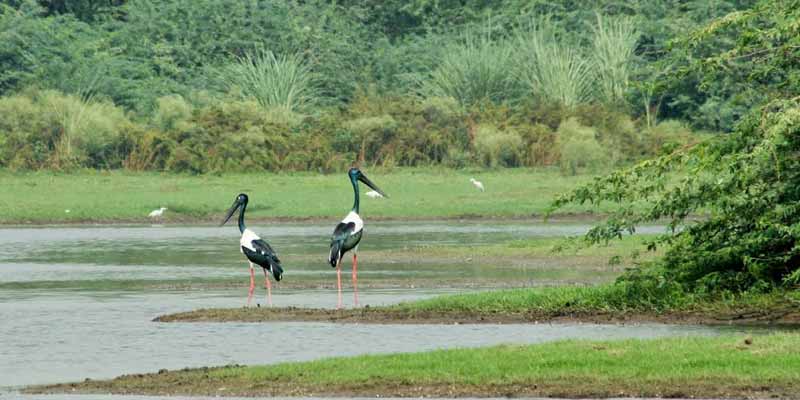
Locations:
285 81
552 69
473 70
613 45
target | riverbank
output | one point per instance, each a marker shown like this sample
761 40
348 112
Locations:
602 304
415 193
735 366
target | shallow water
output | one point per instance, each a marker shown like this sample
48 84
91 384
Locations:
66 337
49 334
115 258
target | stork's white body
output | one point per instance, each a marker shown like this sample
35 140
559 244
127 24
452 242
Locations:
247 240
477 184
355 219
157 213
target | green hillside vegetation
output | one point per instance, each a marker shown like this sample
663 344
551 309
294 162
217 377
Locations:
267 85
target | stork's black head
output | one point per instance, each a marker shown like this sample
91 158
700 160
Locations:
356 174
240 202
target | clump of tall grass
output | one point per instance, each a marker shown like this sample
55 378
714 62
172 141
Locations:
473 70
613 44
552 69
284 81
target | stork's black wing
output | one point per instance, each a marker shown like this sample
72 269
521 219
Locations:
264 256
340 235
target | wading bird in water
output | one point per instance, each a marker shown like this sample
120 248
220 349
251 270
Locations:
347 235
256 250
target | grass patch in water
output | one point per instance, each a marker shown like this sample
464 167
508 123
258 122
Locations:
728 367
615 300
603 304
110 196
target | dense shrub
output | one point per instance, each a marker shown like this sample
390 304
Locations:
46 129
495 148
579 148
667 136
50 130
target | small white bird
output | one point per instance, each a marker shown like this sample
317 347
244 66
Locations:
477 184
373 194
157 213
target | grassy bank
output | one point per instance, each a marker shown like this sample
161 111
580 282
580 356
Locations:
727 367
414 193
605 303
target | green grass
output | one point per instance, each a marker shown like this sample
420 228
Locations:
612 298
608 303
728 366
414 193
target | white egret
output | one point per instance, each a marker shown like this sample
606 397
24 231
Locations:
477 184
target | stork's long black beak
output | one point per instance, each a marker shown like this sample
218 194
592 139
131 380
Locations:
231 211
363 178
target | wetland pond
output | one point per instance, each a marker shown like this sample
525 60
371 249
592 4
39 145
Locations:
77 302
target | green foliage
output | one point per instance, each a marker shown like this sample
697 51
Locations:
579 147
667 136
484 56
613 45
552 69
284 82
497 148
472 71
50 130
746 182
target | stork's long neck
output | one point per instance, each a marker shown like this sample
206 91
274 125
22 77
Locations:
355 194
241 218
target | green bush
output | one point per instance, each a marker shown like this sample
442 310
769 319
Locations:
616 132
667 136
579 148
47 129
539 145
172 113
497 148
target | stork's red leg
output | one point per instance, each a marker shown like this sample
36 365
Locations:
355 278
252 284
339 283
268 285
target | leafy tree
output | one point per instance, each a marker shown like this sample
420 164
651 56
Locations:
746 185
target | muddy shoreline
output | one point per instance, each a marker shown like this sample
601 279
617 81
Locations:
176 385
788 317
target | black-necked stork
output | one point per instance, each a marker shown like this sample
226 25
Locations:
256 250
347 235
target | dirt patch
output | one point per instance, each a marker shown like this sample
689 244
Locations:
787 317
204 382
